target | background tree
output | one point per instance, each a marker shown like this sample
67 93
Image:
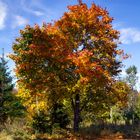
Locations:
131 79
72 59
121 98
137 111
9 104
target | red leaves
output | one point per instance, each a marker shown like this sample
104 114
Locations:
120 52
122 55
52 52
84 65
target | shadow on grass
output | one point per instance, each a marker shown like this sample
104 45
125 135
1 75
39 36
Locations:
111 131
99 132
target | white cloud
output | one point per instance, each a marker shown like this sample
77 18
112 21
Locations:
31 7
38 13
130 35
19 21
3 13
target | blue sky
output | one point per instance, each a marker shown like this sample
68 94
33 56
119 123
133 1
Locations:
15 14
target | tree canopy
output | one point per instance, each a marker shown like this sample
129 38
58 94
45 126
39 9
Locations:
74 57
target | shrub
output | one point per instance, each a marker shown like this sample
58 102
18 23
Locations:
41 123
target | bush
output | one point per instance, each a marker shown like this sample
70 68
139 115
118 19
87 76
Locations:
41 123
59 116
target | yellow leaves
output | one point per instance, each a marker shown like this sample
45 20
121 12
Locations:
120 93
80 86
32 102
40 105
93 38
106 74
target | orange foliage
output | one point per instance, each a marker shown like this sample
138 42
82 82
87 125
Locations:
80 46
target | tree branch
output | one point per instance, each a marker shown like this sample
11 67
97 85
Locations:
86 102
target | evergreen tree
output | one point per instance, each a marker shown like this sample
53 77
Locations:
9 104
59 116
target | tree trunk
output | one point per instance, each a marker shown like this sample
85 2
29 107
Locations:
76 113
127 122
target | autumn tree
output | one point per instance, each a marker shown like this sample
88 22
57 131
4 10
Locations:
72 59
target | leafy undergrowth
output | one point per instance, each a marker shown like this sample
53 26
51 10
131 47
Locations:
20 131
5 136
117 136
94 133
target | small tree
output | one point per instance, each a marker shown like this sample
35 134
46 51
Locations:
45 122
59 116
131 79
41 123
